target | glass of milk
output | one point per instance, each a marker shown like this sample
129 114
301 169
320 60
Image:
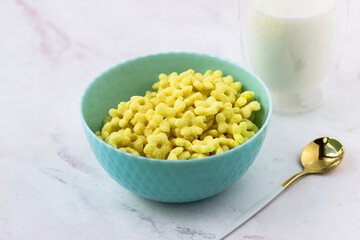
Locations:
291 45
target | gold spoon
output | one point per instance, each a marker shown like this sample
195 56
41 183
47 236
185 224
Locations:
320 156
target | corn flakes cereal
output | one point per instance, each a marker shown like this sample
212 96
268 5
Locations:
189 115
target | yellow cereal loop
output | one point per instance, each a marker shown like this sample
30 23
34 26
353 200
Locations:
208 107
198 85
207 145
217 74
158 146
226 118
165 110
174 81
173 74
119 139
231 143
191 125
113 113
198 155
139 121
219 150
175 153
150 97
208 85
190 100
179 105
138 142
97 133
164 83
106 120
139 104
187 73
244 98
236 86
225 148
148 130
251 126
110 127
155 121
228 80
184 155
224 93
163 76
249 108
169 91
157 131
185 82
248 129
212 132
130 150
236 110
128 114
189 115
209 123
237 132
187 90
249 135
177 93
149 114
165 126
181 142
122 107
171 121
160 97
170 101
208 73
156 85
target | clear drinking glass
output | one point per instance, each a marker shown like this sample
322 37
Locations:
293 46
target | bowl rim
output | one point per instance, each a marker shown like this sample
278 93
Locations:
207 158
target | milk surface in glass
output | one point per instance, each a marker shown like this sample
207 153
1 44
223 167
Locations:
291 43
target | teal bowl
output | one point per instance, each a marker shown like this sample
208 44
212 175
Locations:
164 180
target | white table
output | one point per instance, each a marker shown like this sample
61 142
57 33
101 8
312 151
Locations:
52 186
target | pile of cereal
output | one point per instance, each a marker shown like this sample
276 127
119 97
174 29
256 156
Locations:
191 115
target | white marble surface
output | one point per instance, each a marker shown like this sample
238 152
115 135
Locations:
52 187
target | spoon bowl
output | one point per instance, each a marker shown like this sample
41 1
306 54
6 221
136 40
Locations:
322 155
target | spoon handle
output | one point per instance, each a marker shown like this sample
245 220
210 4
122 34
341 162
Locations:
251 212
293 178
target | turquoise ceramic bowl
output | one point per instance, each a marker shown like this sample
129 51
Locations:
163 180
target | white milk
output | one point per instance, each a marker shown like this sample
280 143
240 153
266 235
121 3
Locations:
291 43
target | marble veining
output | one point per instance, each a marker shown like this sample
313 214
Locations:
54 42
